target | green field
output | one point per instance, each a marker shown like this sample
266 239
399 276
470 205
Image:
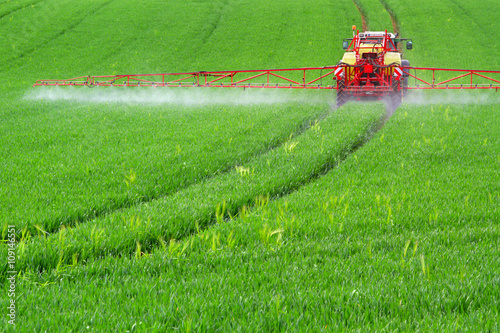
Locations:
243 210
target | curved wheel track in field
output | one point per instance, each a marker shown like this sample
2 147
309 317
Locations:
18 8
345 154
212 26
56 35
473 19
90 214
365 16
364 20
394 18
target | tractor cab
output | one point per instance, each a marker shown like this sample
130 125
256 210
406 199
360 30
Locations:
381 39
371 44
372 48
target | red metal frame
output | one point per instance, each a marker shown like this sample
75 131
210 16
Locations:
485 81
293 78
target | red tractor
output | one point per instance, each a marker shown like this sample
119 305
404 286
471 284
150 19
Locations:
371 68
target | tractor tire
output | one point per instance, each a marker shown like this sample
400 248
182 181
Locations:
342 95
395 96
405 63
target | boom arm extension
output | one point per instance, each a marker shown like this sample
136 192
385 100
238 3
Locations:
295 78
292 78
441 78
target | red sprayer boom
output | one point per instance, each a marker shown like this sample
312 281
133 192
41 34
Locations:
371 68
304 78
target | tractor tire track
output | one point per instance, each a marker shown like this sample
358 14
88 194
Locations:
364 19
475 22
394 19
56 35
111 207
330 165
20 7
213 26
234 211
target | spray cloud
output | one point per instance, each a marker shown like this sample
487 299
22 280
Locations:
174 96
419 97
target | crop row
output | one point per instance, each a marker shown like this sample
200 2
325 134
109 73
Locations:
144 226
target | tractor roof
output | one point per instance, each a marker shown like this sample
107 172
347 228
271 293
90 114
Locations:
376 34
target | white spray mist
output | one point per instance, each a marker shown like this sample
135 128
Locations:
196 96
480 97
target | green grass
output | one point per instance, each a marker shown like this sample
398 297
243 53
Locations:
254 211
67 162
391 239
276 173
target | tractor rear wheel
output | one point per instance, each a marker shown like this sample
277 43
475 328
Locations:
395 96
342 95
405 63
